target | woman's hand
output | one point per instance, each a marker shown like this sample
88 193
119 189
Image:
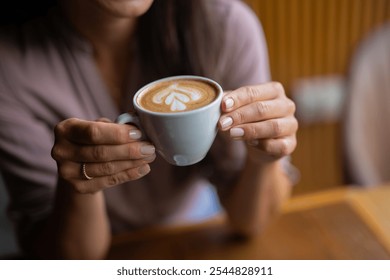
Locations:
112 154
264 117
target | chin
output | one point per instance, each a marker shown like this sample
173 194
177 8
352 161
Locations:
125 8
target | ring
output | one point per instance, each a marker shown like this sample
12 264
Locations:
85 172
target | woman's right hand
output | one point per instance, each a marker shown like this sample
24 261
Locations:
112 154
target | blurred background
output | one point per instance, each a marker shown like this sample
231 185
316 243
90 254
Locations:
311 44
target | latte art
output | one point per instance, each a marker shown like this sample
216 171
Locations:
177 96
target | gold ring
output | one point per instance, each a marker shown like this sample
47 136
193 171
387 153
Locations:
85 172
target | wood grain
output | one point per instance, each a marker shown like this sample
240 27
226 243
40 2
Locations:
344 223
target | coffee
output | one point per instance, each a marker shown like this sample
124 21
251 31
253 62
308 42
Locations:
177 95
180 138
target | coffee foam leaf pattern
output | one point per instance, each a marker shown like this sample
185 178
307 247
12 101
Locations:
176 97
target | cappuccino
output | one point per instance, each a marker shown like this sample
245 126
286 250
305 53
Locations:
177 95
179 115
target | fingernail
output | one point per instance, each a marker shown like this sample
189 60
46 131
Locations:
147 150
135 134
226 122
229 103
144 169
149 158
236 132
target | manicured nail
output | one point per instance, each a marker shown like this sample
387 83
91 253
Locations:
226 122
229 103
135 134
144 169
147 150
236 132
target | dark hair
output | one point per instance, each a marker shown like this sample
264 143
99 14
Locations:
176 37
173 37
17 12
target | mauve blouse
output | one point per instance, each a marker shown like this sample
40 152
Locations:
47 74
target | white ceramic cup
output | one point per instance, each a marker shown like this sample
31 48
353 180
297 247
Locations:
181 138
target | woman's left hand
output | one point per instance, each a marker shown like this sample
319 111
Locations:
264 117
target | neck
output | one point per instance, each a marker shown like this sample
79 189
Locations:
107 33
110 37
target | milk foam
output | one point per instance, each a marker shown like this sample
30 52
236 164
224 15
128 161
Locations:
177 97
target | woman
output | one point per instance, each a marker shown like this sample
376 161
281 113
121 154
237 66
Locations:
72 73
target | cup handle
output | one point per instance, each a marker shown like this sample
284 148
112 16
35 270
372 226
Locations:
128 118
133 119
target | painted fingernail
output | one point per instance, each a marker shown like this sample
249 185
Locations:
226 122
236 132
149 158
144 169
147 150
135 134
229 103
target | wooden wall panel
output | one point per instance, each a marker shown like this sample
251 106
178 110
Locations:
311 38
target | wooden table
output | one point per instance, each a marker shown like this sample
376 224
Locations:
345 223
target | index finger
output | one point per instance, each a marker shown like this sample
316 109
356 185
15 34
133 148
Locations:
96 132
250 94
